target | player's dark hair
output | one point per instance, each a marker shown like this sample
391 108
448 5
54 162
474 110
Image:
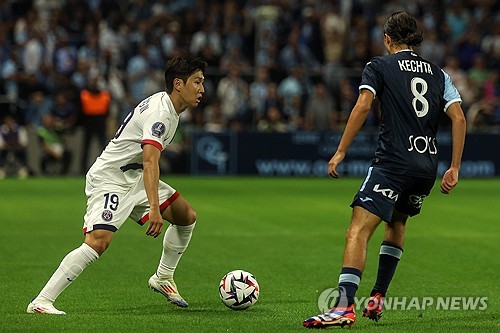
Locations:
402 28
181 67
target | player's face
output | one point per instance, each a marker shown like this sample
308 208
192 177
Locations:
193 89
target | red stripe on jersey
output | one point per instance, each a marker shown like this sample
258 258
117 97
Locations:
163 206
154 143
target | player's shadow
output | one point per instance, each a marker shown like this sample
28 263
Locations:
192 310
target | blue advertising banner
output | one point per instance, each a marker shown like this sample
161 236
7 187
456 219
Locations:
308 153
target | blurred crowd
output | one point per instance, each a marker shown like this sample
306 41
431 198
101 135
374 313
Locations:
274 66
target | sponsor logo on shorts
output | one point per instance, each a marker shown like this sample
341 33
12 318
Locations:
386 192
107 215
158 129
416 200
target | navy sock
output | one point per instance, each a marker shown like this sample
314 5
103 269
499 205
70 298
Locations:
388 261
348 285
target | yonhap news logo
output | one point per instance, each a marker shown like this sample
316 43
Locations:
328 298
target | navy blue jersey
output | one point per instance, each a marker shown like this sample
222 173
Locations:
412 92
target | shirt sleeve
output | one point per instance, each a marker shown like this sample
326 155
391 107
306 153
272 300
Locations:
451 94
155 130
371 78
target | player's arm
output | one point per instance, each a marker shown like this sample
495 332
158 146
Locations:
458 130
354 123
151 157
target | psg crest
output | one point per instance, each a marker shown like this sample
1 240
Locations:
107 215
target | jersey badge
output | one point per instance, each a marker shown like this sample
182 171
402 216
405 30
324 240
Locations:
107 215
158 129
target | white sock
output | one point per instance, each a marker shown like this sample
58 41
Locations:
175 242
71 266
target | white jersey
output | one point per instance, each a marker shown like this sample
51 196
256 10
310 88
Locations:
154 121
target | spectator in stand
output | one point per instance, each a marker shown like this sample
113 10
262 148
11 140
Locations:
208 35
333 31
89 53
231 92
273 121
137 71
467 48
490 44
478 74
9 76
95 104
295 54
214 119
56 158
65 56
259 90
13 143
170 39
457 19
459 78
294 90
64 112
33 51
38 105
321 110
234 56
272 100
432 48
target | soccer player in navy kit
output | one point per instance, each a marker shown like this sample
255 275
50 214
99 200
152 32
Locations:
412 93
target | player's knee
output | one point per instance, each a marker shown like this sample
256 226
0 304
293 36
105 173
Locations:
350 234
98 244
357 233
98 247
191 216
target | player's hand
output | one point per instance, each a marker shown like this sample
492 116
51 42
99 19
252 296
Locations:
334 162
450 180
155 223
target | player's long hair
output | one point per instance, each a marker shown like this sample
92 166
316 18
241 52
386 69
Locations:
181 67
402 28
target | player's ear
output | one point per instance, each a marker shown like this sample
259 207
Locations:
177 84
387 39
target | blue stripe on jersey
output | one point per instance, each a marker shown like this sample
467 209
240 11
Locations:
451 94
105 227
367 178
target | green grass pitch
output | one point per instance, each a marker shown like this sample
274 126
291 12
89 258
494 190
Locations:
289 232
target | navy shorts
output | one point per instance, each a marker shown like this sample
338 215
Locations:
383 191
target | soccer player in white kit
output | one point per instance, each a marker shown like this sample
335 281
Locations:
124 182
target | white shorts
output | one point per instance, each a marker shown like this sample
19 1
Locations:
109 206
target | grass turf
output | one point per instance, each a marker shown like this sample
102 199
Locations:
289 232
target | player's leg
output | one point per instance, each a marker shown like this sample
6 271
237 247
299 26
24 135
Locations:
106 212
363 224
175 241
70 268
181 216
408 204
390 254
373 203
177 236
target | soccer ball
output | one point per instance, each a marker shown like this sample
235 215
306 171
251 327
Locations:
238 290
